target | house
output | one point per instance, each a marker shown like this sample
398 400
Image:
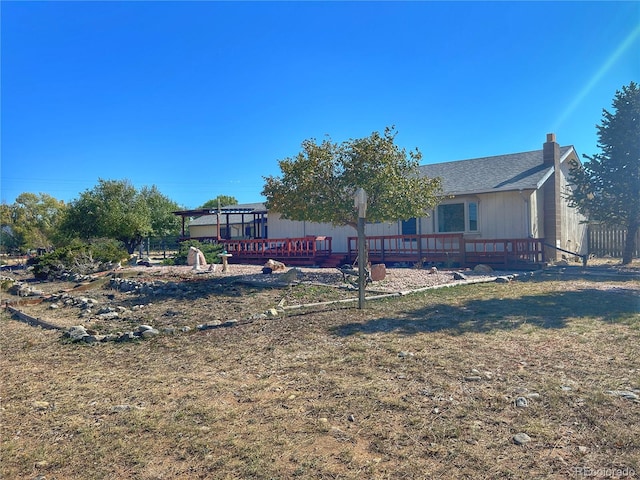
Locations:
504 209
503 197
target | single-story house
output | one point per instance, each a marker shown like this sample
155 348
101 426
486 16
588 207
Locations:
512 196
512 203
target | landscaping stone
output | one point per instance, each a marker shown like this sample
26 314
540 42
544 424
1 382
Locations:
627 394
482 268
521 439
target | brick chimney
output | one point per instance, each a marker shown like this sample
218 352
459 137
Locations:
551 194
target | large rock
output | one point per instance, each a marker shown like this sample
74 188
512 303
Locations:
196 257
482 268
275 266
378 272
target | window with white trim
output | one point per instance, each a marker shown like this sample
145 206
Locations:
457 217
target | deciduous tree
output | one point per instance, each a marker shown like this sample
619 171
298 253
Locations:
31 222
607 186
220 200
112 209
320 182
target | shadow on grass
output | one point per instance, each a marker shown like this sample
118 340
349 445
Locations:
552 311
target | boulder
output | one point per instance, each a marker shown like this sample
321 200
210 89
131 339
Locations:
378 272
275 266
196 257
482 268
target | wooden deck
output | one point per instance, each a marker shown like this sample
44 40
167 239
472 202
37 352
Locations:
451 250
446 250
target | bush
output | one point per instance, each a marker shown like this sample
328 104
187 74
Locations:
209 250
79 257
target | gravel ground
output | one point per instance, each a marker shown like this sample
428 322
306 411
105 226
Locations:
396 279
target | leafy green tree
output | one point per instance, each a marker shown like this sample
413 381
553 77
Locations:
320 182
163 221
222 200
607 186
31 222
9 240
112 209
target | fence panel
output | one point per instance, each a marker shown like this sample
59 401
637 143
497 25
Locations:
609 241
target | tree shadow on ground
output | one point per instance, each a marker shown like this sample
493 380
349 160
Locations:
551 311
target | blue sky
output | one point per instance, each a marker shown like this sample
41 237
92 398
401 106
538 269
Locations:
203 98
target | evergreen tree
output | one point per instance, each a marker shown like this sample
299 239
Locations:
607 186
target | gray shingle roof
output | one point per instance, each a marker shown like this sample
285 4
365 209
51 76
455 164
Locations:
513 171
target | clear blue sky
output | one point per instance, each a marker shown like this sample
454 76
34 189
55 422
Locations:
203 98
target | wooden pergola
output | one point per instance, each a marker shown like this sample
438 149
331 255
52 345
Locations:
257 216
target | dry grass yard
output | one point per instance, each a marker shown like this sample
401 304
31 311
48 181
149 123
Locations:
436 384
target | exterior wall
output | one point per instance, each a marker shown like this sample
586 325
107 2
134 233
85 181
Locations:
536 204
203 231
500 215
574 231
212 230
281 228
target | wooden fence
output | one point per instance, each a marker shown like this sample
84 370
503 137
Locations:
609 241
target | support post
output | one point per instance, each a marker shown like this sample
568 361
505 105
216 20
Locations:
360 201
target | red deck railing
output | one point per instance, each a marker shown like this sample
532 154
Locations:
505 251
307 247
448 249
409 247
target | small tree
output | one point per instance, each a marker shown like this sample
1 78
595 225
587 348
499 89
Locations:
607 186
319 183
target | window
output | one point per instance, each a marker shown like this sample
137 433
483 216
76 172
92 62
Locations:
409 227
473 216
458 217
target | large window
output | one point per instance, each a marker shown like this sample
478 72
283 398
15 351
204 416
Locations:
458 217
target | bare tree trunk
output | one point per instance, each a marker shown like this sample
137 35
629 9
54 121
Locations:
629 245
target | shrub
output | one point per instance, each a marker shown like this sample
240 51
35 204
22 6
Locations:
209 250
79 257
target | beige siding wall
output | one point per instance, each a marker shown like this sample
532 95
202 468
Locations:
212 230
281 228
536 204
500 215
504 215
203 231
574 233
